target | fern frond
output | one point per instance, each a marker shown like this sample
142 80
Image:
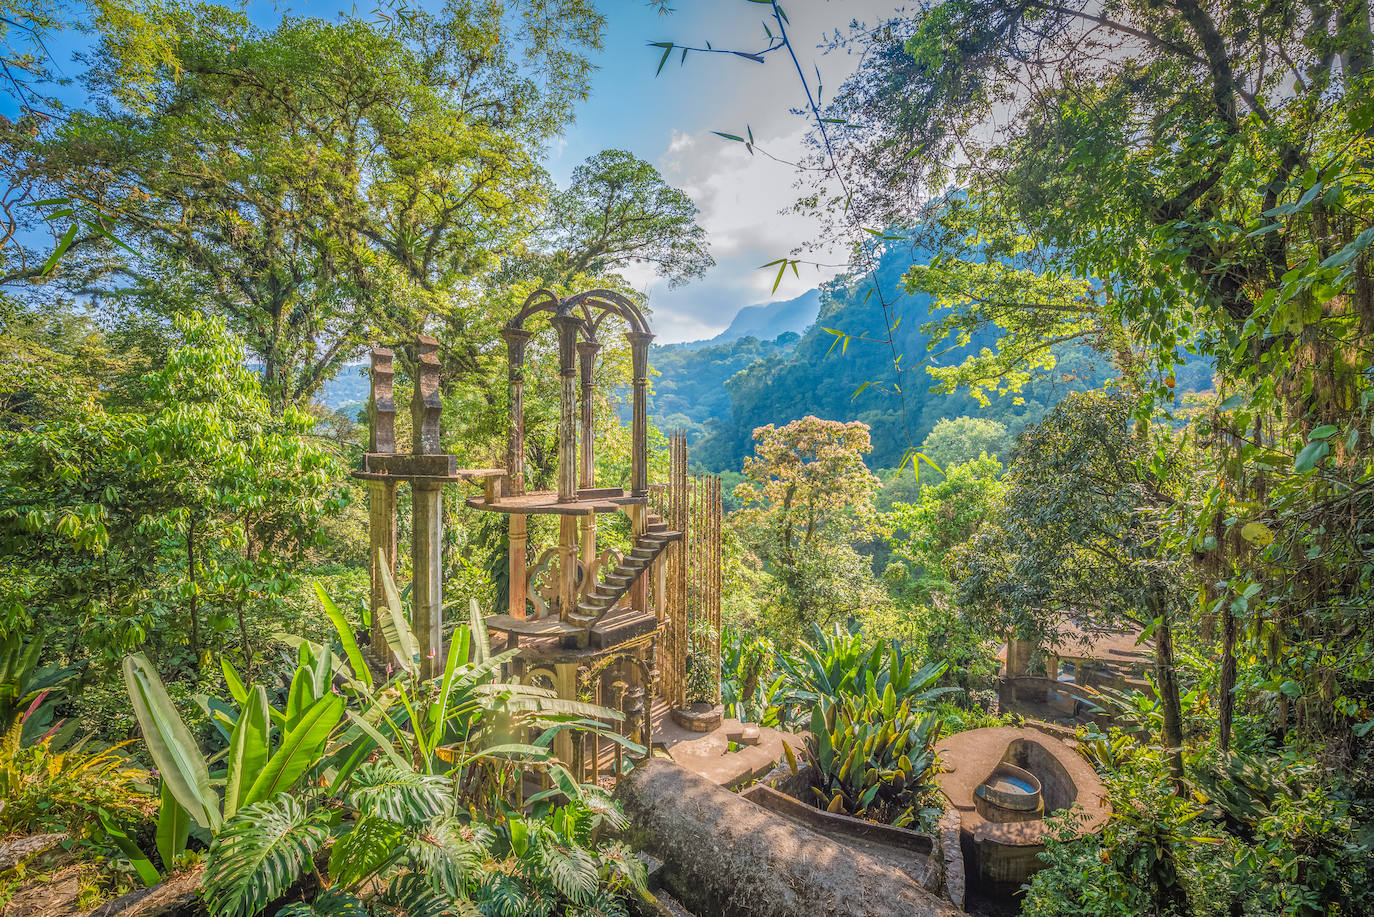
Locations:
404 797
446 855
259 854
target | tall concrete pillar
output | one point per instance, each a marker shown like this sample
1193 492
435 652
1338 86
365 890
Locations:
516 341
427 513
639 431
426 557
381 495
586 357
567 327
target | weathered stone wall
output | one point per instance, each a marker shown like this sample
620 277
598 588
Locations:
726 856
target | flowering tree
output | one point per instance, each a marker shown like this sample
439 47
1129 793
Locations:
806 503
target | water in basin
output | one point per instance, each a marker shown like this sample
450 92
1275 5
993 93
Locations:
1008 784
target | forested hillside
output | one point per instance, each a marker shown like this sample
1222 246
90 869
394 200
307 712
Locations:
811 376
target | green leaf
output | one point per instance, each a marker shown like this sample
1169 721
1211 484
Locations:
147 873
262 851
1312 453
62 245
247 749
364 851
169 742
399 637
231 678
345 634
300 748
173 828
384 744
1323 432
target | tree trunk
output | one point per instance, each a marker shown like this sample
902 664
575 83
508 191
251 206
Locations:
195 597
1226 702
1167 676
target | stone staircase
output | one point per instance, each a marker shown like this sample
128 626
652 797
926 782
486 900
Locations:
596 603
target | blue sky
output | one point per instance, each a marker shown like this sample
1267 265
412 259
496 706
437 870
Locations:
668 120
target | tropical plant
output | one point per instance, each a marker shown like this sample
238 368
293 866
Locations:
406 843
832 665
44 789
751 688
25 687
873 757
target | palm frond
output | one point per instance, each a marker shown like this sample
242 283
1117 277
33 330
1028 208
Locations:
259 854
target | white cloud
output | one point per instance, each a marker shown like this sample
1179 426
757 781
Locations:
744 202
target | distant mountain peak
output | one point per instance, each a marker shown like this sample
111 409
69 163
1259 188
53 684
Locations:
766 321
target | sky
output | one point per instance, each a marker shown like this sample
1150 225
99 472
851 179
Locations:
668 120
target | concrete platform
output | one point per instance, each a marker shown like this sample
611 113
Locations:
708 753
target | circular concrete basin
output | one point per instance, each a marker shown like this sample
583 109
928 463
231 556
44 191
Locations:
1011 787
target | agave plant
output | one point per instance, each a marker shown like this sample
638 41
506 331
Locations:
874 757
830 666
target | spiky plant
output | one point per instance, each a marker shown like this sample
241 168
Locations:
874 758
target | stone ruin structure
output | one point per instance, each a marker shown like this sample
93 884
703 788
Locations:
624 630
1002 782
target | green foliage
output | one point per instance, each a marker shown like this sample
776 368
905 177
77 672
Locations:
874 757
953 441
943 516
166 519
807 498
811 377
26 690
838 663
261 852
47 790
618 210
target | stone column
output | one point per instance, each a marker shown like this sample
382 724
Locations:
381 496
567 327
426 557
639 433
519 540
381 510
427 512
586 357
516 340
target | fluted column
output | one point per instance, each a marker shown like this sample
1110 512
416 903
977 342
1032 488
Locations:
639 432
427 513
516 341
381 496
567 327
586 357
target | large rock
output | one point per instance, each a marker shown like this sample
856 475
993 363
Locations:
726 856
